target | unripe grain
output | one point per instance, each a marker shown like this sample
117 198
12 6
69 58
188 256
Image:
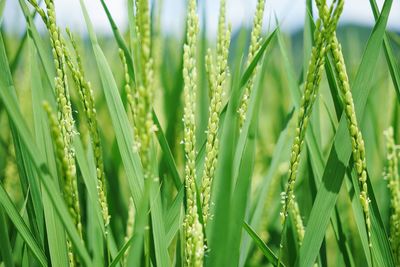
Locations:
216 84
392 177
255 41
194 247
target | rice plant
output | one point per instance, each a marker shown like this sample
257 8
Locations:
253 147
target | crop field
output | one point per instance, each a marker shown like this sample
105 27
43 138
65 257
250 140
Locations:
253 148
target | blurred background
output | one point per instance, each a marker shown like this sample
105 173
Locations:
290 14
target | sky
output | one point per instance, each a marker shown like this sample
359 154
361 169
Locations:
290 14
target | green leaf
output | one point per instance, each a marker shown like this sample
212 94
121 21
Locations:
120 40
89 178
141 220
121 252
394 68
250 69
268 253
244 159
5 249
173 219
169 158
33 32
160 241
21 227
281 152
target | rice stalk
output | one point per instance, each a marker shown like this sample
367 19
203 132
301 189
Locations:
59 147
322 34
298 222
145 84
255 42
216 78
392 176
131 96
194 240
357 141
65 119
85 93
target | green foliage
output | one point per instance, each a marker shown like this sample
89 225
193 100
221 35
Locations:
176 157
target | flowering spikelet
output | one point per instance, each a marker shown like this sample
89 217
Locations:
216 83
65 119
314 72
357 142
129 227
11 181
86 95
130 95
194 249
392 177
143 28
298 221
255 43
59 146
145 84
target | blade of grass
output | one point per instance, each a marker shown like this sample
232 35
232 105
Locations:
246 127
390 57
268 253
18 54
174 218
29 183
89 178
120 40
141 220
281 152
160 241
21 226
168 157
382 252
5 250
245 160
121 252
33 32
25 169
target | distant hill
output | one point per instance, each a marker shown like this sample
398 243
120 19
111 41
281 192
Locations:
352 37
